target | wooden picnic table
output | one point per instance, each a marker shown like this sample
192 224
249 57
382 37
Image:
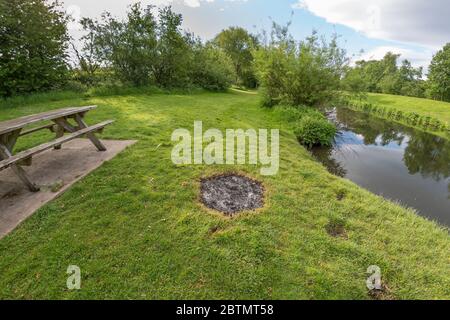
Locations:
11 130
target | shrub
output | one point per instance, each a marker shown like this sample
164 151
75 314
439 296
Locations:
292 115
238 43
426 121
413 118
399 115
314 131
212 69
305 73
141 50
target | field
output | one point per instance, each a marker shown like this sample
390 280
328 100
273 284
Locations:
424 107
137 231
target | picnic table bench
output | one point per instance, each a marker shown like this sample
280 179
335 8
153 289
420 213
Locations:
11 130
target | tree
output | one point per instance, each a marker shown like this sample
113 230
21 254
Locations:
238 43
89 56
212 68
353 82
304 73
439 75
174 52
378 75
141 51
385 76
33 44
410 78
128 46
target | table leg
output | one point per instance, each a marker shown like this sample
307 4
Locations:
59 133
5 153
96 141
9 140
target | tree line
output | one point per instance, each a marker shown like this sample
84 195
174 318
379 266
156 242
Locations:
389 76
149 47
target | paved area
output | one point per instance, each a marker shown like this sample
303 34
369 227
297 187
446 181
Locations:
54 171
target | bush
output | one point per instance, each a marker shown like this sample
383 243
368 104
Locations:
238 43
128 46
293 115
305 73
141 50
212 69
315 131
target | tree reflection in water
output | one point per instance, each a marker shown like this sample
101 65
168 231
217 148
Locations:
424 153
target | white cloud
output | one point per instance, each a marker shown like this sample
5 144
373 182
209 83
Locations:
191 3
411 21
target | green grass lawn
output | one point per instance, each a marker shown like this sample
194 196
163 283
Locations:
137 231
424 107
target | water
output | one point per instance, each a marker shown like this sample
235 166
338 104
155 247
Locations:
394 161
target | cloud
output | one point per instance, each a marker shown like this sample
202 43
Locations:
410 21
190 3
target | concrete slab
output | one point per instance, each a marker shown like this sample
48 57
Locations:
54 171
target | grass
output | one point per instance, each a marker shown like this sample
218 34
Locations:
424 107
135 227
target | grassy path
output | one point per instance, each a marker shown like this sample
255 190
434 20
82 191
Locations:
136 230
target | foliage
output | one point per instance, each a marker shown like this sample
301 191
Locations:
174 53
212 69
142 50
315 131
238 43
354 84
129 47
384 76
89 56
439 75
304 73
293 114
309 125
33 43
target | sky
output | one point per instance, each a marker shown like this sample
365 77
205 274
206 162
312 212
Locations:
416 29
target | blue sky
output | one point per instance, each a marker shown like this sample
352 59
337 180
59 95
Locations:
414 28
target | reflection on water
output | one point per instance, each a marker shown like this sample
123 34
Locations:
397 162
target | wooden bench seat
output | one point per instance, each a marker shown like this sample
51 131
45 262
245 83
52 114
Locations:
22 156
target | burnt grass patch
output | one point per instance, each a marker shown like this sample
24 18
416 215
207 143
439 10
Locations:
231 194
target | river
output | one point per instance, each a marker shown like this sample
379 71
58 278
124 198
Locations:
397 162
